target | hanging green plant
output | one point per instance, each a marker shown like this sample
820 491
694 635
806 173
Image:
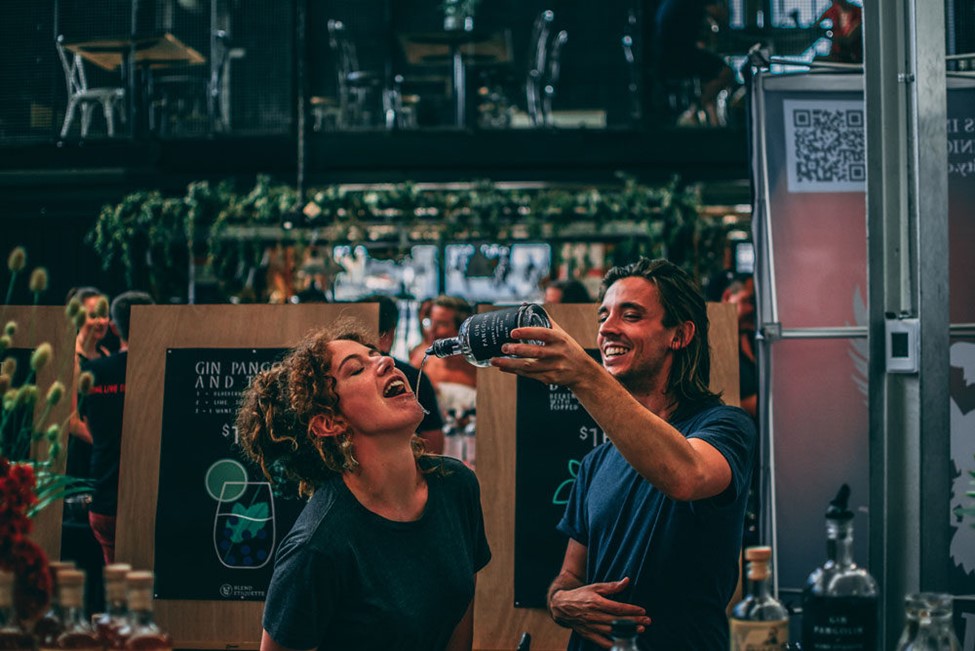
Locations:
156 240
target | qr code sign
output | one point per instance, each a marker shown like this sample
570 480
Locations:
825 146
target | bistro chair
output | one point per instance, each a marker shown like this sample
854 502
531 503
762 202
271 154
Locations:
80 96
544 68
356 87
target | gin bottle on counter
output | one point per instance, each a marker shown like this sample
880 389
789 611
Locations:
143 633
12 635
759 622
49 626
928 623
623 632
78 633
481 336
840 603
111 624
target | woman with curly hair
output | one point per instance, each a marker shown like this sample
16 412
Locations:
356 570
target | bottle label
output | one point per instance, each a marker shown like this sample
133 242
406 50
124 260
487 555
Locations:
759 636
839 623
487 332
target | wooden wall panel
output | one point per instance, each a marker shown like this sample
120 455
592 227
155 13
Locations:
194 624
36 325
498 625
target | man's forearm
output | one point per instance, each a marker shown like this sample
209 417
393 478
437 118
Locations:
564 581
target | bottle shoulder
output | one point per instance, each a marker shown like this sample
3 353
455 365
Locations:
760 610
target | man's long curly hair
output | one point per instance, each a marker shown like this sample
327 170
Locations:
690 375
274 419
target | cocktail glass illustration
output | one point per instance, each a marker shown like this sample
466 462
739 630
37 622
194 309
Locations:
243 529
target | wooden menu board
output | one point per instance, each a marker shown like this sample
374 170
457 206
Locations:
36 325
160 335
498 624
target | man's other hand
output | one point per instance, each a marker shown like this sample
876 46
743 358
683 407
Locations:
590 613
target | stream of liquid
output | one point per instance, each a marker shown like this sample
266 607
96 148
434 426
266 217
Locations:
416 390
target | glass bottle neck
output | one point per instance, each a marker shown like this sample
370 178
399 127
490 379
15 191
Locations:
760 589
839 542
7 617
758 574
74 617
142 619
447 347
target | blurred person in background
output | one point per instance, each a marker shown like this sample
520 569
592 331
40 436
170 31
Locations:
843 21
101 411
88 347
683 48
567 290
453 378
426 336
431 428
88 343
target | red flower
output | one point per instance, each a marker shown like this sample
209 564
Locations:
18 553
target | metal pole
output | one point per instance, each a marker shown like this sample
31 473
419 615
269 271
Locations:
907 274
301 18
767 312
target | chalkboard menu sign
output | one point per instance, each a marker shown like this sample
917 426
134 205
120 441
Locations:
218 521
554 433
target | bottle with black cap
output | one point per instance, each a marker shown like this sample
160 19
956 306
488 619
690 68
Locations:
840 602
623 632
481 336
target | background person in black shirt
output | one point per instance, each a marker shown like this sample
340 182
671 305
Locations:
102 412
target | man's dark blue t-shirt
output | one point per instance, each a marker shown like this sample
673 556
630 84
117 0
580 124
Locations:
681 557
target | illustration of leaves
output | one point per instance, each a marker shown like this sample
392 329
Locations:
250 519
561 496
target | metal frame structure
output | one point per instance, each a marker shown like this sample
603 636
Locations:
905 94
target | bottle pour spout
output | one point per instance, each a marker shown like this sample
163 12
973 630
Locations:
446 347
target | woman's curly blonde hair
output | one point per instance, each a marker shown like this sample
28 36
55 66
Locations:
274 419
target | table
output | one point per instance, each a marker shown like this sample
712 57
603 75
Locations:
152 51
147 52
457 47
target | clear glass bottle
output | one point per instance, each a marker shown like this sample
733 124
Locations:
759 622
453 444
840 607
928 623
481 336
111 624
12 635
78 633
49 626
623 632
143 632
470 438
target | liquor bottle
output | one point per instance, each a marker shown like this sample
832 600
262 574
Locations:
840 608
78 633
481 336
470 438
453 443
111 624
50 625
143 633
928 623
623 632
525 643
759 622
12 635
